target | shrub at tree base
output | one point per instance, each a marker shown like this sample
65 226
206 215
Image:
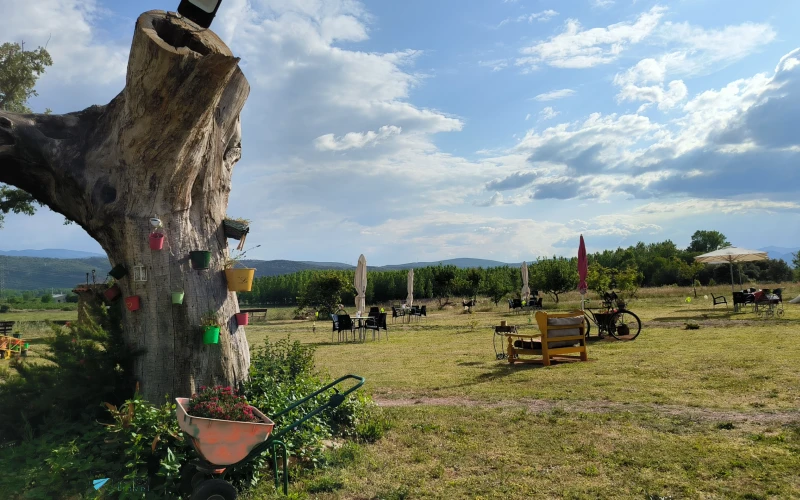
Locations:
140 446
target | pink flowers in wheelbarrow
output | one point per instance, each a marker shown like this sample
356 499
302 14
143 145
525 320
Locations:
223 427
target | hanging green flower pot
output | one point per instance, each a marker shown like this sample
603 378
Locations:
118 272
211 335
200 259
177 297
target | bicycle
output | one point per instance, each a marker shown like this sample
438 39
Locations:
614 319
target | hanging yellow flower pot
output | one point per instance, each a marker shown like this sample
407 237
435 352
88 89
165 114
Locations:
240 280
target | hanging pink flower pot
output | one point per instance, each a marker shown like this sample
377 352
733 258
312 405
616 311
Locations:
242 319
156 241
133 303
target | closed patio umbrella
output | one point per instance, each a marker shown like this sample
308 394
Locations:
731 255
583 270
410 298
361 284
526 292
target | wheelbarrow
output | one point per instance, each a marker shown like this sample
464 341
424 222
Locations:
224 445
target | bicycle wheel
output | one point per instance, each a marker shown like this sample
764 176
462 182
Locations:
625 325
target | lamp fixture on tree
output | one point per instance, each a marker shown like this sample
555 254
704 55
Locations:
200 12
139 273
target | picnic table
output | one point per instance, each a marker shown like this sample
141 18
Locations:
254 310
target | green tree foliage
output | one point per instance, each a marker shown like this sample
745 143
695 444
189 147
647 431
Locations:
46 298
19 71
324 292
689 271
707 241
496 286
601 279
554 276
796 265
445 284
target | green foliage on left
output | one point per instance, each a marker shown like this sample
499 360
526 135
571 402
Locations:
554 276
19 71
88 364
140 446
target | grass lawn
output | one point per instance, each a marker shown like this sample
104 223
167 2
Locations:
707 413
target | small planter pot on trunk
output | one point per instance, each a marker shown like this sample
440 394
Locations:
234 229
240 280
200 259
211 335
111 294
133 303
156 241
242 319
223 442
177 298
118 272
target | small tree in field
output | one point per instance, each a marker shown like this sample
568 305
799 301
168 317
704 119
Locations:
690 272
444 282
601 279
796 264
554 276
323 291
496 286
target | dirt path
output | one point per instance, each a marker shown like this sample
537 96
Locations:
541 405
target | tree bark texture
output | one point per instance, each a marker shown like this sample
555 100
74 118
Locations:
166 147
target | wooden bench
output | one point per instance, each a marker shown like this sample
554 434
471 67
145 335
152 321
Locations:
254 310
6 327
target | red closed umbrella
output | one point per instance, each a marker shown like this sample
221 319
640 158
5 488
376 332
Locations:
583 269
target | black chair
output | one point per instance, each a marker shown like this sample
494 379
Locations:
398 313
374 311
375 323
778 292
344 325
719 300
423 311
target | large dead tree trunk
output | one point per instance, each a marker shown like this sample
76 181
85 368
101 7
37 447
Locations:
165 146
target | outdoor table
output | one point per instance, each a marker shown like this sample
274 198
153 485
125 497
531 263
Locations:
362 325
501 331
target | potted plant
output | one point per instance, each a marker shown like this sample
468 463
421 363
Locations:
200 259
223 426
118 272
242 319
156 240
241 279
113 291
177 297
133 303
210 326
236 229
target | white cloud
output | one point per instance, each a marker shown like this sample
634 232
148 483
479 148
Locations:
602 4
542 16
548 113
356 140
69 29
527 117
576 47
554 94
495 64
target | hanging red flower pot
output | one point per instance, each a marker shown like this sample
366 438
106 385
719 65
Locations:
112 293
242 319
133 303
156 241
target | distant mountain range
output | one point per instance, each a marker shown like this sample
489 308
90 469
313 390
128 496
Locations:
781 253
56 268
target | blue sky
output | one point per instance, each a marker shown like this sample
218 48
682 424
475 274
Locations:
497 129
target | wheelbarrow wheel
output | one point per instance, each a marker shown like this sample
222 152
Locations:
214 489
190 478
